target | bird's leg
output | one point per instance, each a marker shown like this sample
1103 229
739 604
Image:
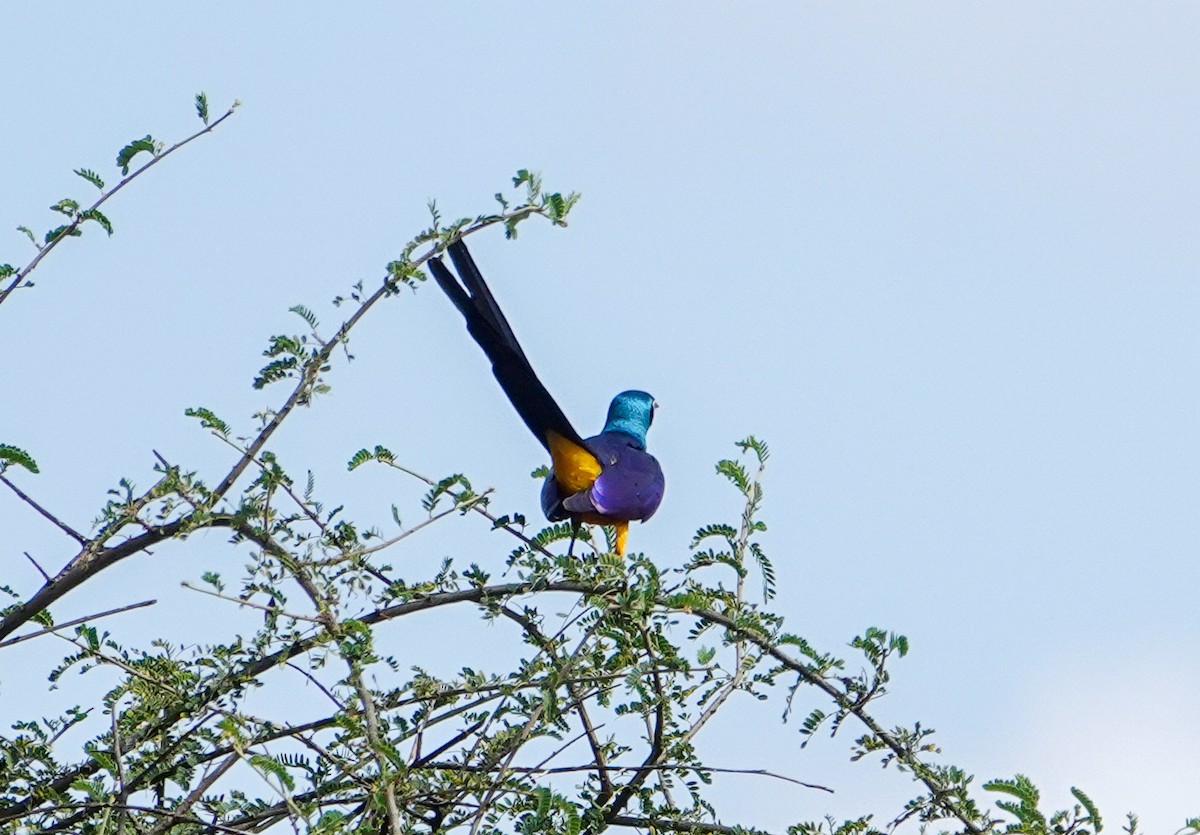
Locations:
574 535
621 529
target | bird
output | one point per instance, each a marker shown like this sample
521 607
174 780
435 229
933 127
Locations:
607 479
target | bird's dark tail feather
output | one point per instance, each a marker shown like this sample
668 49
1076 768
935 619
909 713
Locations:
489 328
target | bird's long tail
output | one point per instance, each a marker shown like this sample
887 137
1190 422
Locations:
489 328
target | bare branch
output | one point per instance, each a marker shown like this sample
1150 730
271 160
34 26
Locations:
249 603
61 525
671 825
76 622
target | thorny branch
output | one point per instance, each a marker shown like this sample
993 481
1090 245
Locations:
95 556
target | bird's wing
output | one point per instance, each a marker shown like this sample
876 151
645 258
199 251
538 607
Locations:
630 487
573 463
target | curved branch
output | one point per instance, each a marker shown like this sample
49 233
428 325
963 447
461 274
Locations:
93 559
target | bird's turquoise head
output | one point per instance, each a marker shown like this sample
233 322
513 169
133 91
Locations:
631 412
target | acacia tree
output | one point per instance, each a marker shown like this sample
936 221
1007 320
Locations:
593 728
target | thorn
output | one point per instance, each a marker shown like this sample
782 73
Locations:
41 570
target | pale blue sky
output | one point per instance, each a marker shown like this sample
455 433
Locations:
942 257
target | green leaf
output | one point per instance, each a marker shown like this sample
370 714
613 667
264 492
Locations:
442 488
305 314
6 270
95 215
90 636
812 722
768 575
208 420
14 455
202 107
91 176
761 450
382 454
66 206
726 532
104 760
268 765
1019 787
126 154
735 472
556 207
359 458
329 822
543 802
83 785
1093 816
69 230
29 233
689 600
274 371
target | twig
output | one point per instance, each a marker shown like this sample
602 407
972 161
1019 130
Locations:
572 769
260 606
421 525
76 622
532 629
567 663
477 507
676 825
540 767
45 249
448 744
88 562
132 671
336 701
61 525
204 785
313 366
171 817
41 570
921 773
657 751
122 794
375 738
